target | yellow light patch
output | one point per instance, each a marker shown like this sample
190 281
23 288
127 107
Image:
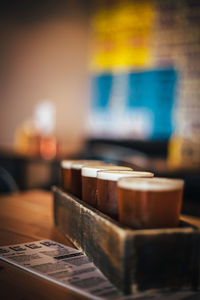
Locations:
122 36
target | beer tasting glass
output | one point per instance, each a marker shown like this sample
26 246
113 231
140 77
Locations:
150 202
89 181
66 174
107 200
76 181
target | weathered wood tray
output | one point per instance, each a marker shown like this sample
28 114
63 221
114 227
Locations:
133 260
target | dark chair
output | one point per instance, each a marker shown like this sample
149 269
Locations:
7 183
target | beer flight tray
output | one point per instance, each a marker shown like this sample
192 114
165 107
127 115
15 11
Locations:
133 260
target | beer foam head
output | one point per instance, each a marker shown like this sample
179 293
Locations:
115 175
66 164
91 171
150 184
79 164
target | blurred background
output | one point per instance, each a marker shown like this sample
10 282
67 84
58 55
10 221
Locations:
113 80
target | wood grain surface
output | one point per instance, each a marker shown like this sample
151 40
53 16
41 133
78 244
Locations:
26 217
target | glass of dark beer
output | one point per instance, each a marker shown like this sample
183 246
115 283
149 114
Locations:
76 180
107 200
89 181
150 202
66 174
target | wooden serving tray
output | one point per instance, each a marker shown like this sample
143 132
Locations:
133 260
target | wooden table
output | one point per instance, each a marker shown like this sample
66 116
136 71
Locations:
26 217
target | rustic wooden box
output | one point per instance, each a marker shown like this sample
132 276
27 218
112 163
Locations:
133 260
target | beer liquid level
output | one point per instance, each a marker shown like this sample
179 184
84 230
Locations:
107 197
89 190
76 183
149 209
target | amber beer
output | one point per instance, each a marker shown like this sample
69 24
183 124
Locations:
76 181
66 174
150 203
107 201
89 181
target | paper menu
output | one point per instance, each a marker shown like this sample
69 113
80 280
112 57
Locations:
65 266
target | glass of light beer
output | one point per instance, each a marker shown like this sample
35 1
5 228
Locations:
89 181
76 180
107 200
150 202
